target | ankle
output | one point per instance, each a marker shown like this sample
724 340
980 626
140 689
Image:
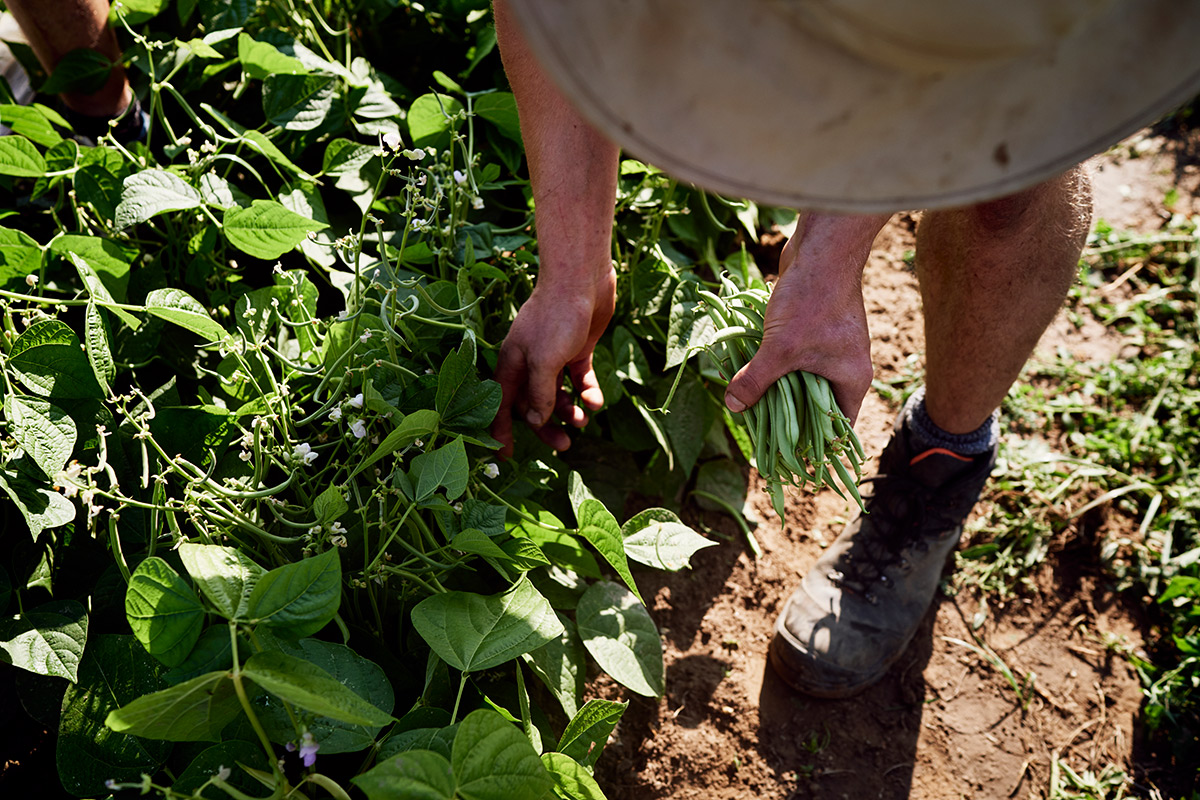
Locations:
924 434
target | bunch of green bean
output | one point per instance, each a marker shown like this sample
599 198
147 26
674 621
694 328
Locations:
798 434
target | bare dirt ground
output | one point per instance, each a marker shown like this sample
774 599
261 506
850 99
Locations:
943 723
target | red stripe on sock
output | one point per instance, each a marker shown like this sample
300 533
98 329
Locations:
939 451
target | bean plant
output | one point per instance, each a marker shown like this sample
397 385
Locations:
246 448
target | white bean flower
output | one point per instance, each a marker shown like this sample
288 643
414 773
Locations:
305 453
358 428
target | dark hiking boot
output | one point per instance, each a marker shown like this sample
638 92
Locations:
861 603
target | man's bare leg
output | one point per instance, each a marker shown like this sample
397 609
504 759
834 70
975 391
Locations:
55 28
992 278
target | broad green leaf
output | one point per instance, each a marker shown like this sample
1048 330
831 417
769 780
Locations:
561 666
48 359
686 422
588 731
109 259
472 632
600 528
445 467
261 60
297 600
194 711
722 478
577 491
164 612
40 507
99 292
462 399
217 191
662 543
687 327
82 71
200 48
225 575
492 760
47 640
134 12
561 547
213 652
307 686
500 109
630 361
330 505
97 338
297 102
487 517
231 755
151 192
428 122
101 188
617 630
20 255
266 229
572 781
179 307
655 422
304 199
193 431
19 158
411 775
417 425
344 157
116 670
361 676
30 122
43 429
475 541
523 554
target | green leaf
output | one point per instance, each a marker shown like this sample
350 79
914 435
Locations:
600 528
201 49
115 671
192 431
686 422
19 158
266 229
462 399
307 686
213 652
500 109
560 664
43 429
47 640
82 71
427 123
472 632
99 293
618 632
261 60
194 711
225 575
48 359
20 255
721 478
40 507
297 102
445 467
492 760
101 189
588 731
687 328
134 12
630 361
297 600
361 676
330 505
164 612
151 192
572 781
657 538
30 122
417 425
411 775
180 308
97 335
475 541
110 260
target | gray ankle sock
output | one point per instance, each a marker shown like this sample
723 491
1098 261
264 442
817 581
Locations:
925 435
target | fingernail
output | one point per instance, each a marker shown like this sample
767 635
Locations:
734 405
534 419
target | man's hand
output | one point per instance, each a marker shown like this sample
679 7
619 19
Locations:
815 319
553 335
